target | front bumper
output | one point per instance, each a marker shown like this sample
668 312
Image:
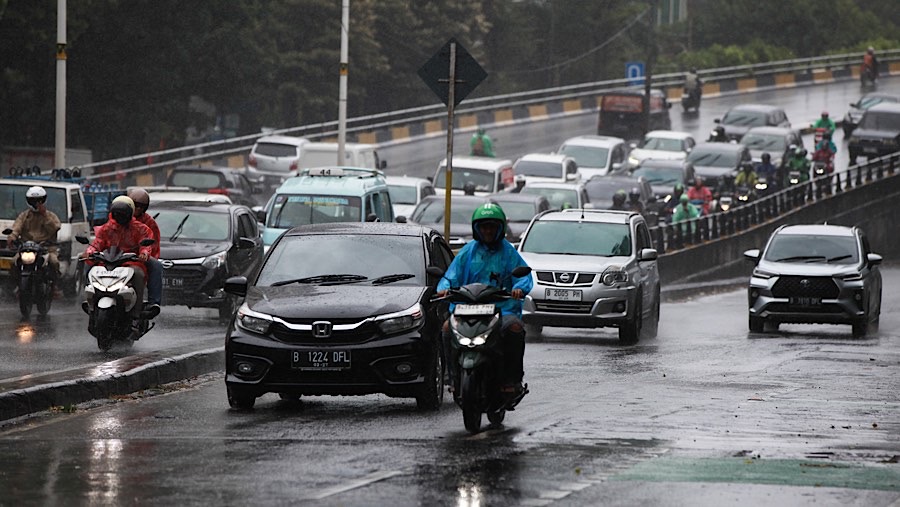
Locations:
599 307
193 285
844 302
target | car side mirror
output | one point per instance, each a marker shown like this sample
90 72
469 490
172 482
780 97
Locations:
246 243
854 104
382 164
587 205
617 166
874 259
648 254
434 271
147 241
521 271
401 219
236 286
752 254
718 120
261 216
632 145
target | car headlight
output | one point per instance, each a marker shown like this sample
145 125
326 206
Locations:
214 261
854 139
613 275
254 322
28 257
759 273
633 160
411 318
851 277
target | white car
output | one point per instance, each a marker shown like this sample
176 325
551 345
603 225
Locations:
183 194
406 192
661 145
596 155
560 195
547 167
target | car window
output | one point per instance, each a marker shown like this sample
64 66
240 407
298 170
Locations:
432 211
578 238
745 118
559 198
402 194
304 209
483 179
77 210
426 191
193 225
276 150
643 237
12 201
765 142
518 211
587 156
880 121
198 180
713 158
383 202
539 169
812 248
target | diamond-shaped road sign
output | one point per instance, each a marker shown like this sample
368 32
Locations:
436 73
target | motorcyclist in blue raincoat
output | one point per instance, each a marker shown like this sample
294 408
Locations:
490 259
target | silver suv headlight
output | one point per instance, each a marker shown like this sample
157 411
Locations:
392 323
614 275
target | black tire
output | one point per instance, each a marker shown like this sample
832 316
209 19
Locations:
227 309
630 332
757 324
860 329
496 418
103 327
652 327
431 394
25 304
44 301
240 398
470 398
533 330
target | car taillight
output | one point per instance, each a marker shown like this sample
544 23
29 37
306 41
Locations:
294 165
252 161
223 191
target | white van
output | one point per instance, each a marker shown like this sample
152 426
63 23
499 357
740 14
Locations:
325 155
487 174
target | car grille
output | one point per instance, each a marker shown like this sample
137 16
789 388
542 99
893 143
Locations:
181 285
805 286
561 307
568 278
361 334
787 308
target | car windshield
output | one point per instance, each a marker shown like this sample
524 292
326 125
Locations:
774 143
713 158
539 169
293 210
662 144
192 225
586 156
432 211
197 180
559 198
367 255
867 102
276 150
481 178
578 238
12 202
813 248
881 121
403 194
660 175
744 119
518 211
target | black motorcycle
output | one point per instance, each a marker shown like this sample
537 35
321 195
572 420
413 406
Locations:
690 99
35 285
477 345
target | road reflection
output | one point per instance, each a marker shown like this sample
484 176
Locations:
25 332
480 470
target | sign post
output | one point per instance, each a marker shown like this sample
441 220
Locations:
451 73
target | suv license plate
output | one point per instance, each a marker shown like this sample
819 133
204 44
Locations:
320 360
806 301
870 149
562 294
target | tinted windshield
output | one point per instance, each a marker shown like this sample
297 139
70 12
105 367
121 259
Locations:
867 102
764 142
660 175
196 225
813 249
12 202
600 190
403 194
713 158
371 256
482 178
744 119
662 144
198 180
578 238
518 211
540 169
559 198
293 210
881 121
432 211
276 150
586 156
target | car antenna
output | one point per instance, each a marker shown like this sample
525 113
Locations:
582 213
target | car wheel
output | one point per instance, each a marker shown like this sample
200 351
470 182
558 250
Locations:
652 328
533 330
757 324
496 418
631 330
240 398
431 395
860 329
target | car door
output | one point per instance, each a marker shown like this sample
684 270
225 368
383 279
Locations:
647 269
440 255
247 249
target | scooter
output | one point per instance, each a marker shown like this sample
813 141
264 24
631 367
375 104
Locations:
110 299
35 284
690 99
475 325
867 76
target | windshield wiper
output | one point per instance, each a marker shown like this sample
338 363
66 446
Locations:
323 280
840 257
179 228
800 258
381 280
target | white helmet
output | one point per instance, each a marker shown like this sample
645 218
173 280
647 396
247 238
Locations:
34 196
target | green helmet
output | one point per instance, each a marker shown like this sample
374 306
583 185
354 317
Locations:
489 211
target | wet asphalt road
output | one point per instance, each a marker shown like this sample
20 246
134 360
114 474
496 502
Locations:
704 415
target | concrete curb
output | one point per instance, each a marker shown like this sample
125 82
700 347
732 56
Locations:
19 397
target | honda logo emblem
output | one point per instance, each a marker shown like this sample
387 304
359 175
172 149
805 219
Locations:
321 329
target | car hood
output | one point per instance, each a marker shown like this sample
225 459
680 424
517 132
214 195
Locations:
661 191
712 172
807 269
173 250
641 154
350 301
735 131
579 263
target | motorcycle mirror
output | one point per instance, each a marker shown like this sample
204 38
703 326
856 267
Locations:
7 231
435 271
82 240
521 271
147 241
236 285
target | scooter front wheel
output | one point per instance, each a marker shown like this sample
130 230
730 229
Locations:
471 407
103 327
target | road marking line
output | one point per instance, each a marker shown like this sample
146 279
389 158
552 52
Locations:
358 483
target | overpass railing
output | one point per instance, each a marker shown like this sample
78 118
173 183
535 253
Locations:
672 237
242 145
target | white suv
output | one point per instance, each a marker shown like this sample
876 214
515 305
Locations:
591 269
596 155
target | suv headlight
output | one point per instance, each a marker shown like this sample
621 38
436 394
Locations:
613 275
254 322
851 277
759 273
392 323
214 261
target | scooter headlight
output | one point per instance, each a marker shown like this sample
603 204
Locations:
28 257
411 318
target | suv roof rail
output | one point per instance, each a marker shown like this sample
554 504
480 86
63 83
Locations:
341 171
64 175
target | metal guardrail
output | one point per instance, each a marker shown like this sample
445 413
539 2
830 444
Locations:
673 237
243 144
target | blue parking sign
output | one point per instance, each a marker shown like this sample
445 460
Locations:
634 73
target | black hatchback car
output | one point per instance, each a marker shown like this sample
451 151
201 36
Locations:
202 245
878 133
215 180
341 309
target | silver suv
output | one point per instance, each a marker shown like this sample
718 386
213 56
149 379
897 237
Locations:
591 269
815 274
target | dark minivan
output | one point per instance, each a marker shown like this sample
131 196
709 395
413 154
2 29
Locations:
622 113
